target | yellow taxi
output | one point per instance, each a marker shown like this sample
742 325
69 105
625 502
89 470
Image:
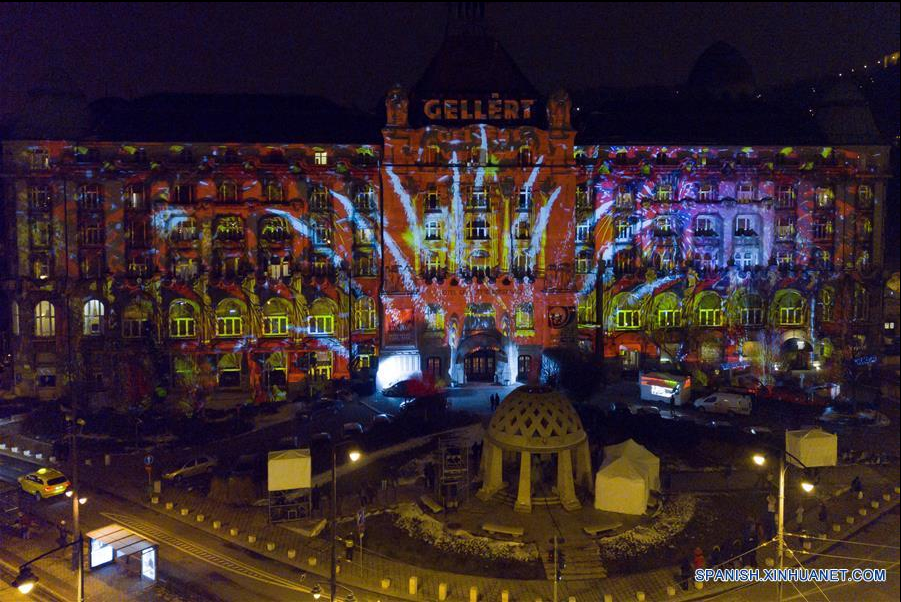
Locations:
44 483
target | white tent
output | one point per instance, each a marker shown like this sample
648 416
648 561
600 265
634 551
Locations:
639 454
813 447
621 487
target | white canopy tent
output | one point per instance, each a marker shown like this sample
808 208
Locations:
813 447
620 486
639 454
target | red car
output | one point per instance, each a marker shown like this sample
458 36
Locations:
786 395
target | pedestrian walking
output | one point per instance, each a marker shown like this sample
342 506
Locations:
698 562
716 557
857 487
686 576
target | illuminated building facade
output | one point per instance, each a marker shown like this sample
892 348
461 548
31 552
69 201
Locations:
480 229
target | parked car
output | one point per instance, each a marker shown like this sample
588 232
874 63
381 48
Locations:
352 430
44 483
319 408
410 388
823 395
724 403
379 421
195 467
425 408
786 394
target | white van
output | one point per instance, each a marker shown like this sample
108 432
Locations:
724 403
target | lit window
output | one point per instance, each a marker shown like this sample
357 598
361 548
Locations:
319 200
477 229
279 267
322 325
182 323
583 200
745 226
433 230
275 229
364 264
785 227
478 199
525 155
365 199
93 317
227 192
624 229
136 320
185 230
478 263
663 225
669 318
432 199
434 317
822 228
275 318
624 199
864 196
40 233
363 235
861 304
705 225
791 310
364 314
664 193
133 197
825 197
186 269
229 319
44 319
320 157
785 197
40 264
183 194
522 230
273 191
706 193
628 318
433 366
431 154
746 259
321 367
92 234
710 310
478 155
40 158
229 228
322 233
583 262
524 317
586 311
745 193
784 258
583 231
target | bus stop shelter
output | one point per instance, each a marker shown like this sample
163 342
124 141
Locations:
114 542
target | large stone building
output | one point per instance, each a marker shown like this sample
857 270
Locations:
246 244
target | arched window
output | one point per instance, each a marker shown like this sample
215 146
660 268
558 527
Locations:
626 312
276 318
322 318
182 319
229 370
364 314
44 319
584 261
93 317
136 320
710 309
750 310
15 318
477 229
273 191
229 228
525 155
791 308
525 318
667 311
826 305
229 318
364 201
274 229
90 196
478 263
227 192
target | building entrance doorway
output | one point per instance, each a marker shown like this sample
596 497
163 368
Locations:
479 366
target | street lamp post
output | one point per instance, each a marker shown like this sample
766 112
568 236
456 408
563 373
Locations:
77 500
353 455
760 460
25 580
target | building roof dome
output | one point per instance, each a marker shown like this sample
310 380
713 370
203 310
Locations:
721 70
539 419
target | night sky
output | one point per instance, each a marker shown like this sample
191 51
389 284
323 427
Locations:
351 53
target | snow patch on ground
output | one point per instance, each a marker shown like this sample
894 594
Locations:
669 522
410 518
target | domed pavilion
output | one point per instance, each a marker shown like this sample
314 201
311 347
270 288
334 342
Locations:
536 423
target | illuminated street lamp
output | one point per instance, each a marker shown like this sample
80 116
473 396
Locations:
26 579
316 591
353 455
807 486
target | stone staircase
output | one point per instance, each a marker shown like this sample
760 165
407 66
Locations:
509 497
582 562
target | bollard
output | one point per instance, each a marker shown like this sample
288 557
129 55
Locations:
313 561
155 500
169 505
442 591
670 590
53 459
270 546
505 596
887 497
639 595
217 524
292 554
413 586
233 532
107 460
88 462
39 456
874 504
572 599
14 449
473 594
897 489
699 585
184 511
338 569
385 583
2 446
807 545
608 597
862 511
770 562
849 520
200 518
27 452
251 538
836 528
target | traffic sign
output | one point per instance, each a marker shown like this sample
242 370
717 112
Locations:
148 460
361 519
